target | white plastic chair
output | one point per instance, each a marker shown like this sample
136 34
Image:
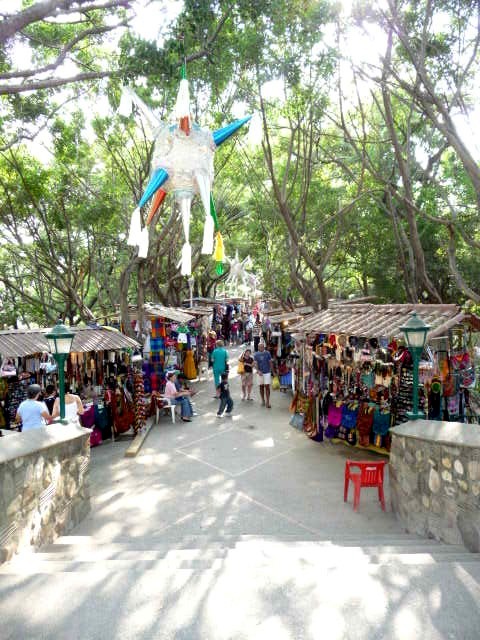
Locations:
167 404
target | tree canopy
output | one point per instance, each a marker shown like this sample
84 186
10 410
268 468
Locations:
363 182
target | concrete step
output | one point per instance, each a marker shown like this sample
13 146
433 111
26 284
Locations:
132 550
229 540
256 557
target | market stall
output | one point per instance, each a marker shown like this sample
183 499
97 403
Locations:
276 333
172 338
354 376
97 355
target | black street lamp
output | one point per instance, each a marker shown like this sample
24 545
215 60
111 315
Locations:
60 343
415 332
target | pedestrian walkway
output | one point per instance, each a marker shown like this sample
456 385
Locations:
236 529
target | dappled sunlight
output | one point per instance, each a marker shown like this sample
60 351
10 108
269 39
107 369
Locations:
235 529
151 458
272 627
329 619
407 623
266 443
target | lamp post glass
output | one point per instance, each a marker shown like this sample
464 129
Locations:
415 331
60 343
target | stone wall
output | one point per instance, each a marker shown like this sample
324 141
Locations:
44 485
435 480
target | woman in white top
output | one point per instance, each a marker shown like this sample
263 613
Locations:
73 406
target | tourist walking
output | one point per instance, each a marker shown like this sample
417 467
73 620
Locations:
256 332
73 406
178 396
32 413
219 362
263 364
223 392
247 376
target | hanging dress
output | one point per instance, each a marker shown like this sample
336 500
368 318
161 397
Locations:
189 368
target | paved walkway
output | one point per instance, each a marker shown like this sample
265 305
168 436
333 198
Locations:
236 529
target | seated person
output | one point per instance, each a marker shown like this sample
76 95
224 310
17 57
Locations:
178 396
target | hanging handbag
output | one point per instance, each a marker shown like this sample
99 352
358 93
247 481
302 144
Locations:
467 378
8 369
297 420
95 437
240 367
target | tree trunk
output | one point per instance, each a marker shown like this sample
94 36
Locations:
124 287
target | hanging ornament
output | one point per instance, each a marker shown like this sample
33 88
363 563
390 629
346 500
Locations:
238 274
135 230
182 163
219 253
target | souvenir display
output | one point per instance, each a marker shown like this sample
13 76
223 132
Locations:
363 385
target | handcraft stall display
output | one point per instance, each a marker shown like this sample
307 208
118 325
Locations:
100 358
354 376
171 338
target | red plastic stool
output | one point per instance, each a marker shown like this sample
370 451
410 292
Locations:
370 475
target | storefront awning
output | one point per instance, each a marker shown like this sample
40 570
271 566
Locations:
169 313
21 343
371 320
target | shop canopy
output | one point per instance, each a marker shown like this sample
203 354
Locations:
289 316
20 343
157 310
377 320
169 313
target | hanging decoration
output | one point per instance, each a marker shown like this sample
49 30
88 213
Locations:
238 274
183 164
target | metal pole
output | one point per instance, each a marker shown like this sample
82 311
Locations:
415 383
60 358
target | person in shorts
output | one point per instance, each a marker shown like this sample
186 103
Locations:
263 365
247 375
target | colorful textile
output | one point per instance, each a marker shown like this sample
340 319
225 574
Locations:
349 415
334 415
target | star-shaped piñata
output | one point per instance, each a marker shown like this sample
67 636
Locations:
182 163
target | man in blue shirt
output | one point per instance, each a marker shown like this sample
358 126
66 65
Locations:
263 365
31 412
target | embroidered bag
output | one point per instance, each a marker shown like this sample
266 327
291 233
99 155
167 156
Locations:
296 421
381 423
349 415
334 414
